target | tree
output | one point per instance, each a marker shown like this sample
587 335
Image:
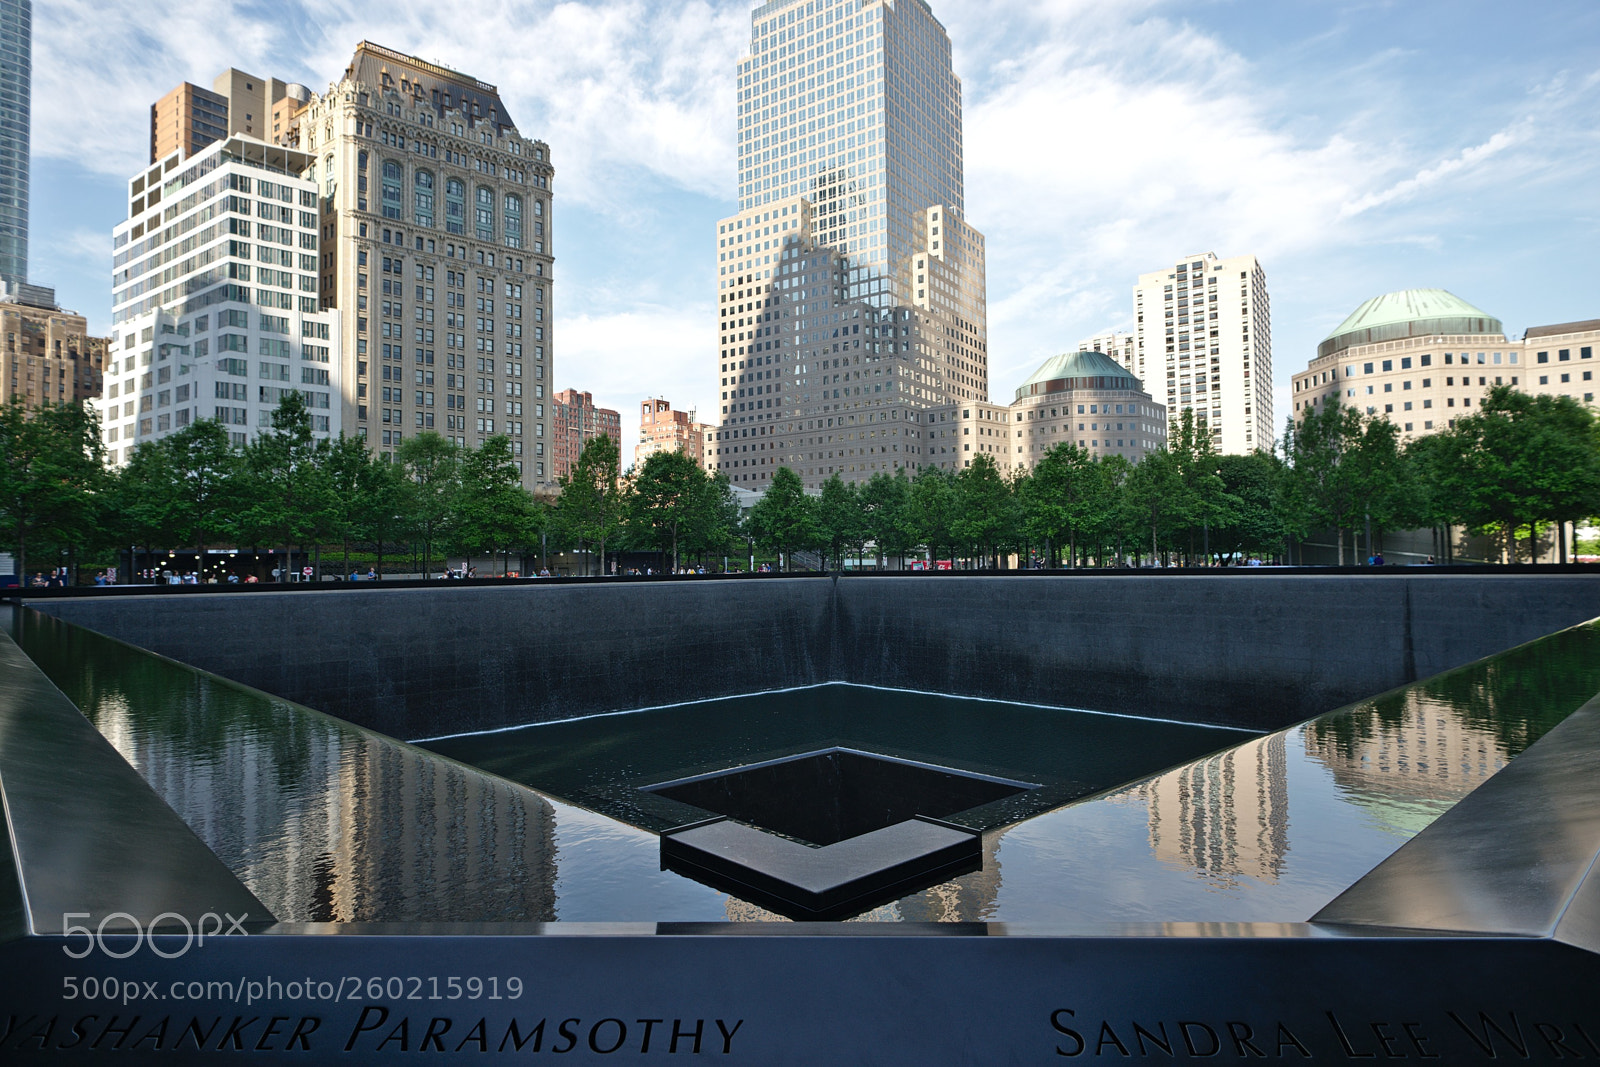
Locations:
840 518
1319 492
206 487
714 524
1251 525
289 496
432 471
1061 498
51 469
983 517
1522 459
785 519
884 500
931 510
142 499
1152 487
670 493
590 508
493 509
1202 502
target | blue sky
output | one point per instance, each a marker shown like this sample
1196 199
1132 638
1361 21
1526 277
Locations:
1356 148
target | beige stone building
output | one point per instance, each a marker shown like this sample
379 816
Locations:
1088 400
1422 358
954 435
189 118
662 429
1203 334
436 248
48 354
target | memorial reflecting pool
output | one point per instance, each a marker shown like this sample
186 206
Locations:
1132 819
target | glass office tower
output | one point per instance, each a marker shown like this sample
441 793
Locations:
853 105
850 289
16 79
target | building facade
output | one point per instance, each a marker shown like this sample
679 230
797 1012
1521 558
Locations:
956 434
575 421
1422 358
215 311
851 292
1122 347
1088 400
437 252
16 106
663 429
190 117
1204 327
48 356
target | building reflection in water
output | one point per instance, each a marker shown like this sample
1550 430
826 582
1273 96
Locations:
1406 759
1224 816
321 820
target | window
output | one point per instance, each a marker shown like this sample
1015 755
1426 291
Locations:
391 189
483 215
422 214
455 206
513 207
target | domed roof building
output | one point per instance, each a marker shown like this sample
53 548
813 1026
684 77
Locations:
1408 313
1422 358
1086 399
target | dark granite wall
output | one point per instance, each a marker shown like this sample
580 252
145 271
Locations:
1252 650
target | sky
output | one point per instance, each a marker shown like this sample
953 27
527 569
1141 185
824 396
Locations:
1355 148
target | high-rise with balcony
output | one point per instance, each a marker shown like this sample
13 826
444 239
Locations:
1203 334
436 250
16 92
850 287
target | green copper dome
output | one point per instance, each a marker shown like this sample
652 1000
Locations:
1408 313
1078 370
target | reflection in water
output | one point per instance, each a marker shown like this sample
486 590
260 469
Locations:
1409 761
1223 816
323 821
326 821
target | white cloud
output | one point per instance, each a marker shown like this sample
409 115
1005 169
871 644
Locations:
626 357
612 84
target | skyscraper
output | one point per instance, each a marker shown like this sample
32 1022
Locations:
850 244
214 305
435 248
16 91
1204 327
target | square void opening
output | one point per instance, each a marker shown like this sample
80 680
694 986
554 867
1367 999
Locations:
835 794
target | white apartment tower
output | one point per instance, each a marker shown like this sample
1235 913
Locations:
436 216
215 311
1204 327
850 287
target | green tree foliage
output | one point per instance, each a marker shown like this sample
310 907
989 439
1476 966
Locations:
51 475
1518 461
1251 526
432 471
931 511
591 507
885 501
841 518
494 511
208 483
984 515
1062 499
785 519
671 501
288 497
